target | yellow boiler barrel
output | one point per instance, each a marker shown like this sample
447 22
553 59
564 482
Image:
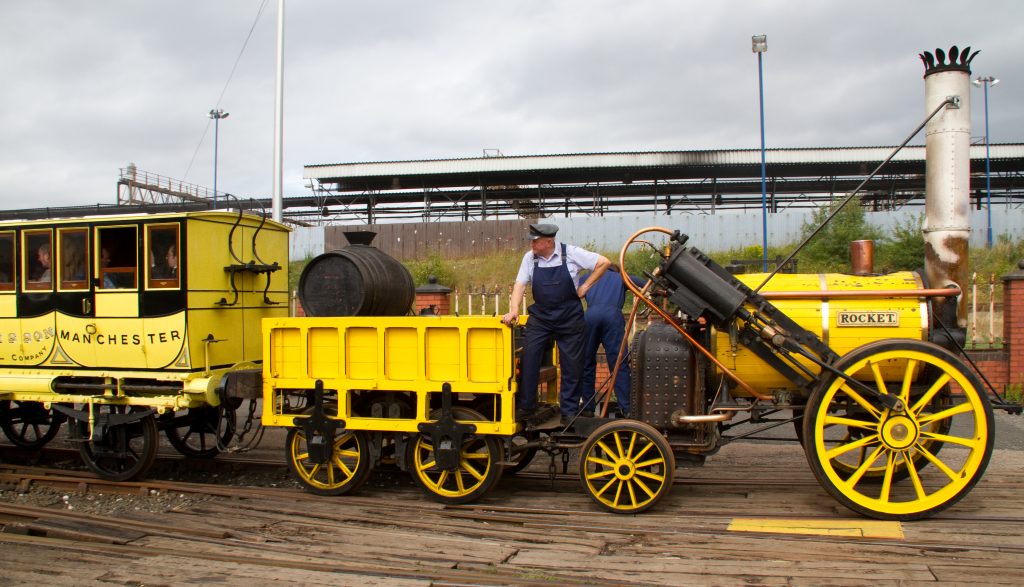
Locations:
845 311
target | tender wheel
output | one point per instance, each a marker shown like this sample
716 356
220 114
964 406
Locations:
201 432
28 424
121 451
347 470
478 471
859 450
518 461
627 466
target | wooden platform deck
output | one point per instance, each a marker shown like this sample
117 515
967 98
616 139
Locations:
752 515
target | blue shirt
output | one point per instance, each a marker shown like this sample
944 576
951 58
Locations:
609 290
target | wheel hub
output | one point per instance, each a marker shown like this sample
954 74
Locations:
900 432
624 470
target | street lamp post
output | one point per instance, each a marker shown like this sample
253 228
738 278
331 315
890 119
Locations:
759 44
985 82
216 115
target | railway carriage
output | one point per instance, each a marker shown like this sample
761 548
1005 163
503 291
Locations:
124 325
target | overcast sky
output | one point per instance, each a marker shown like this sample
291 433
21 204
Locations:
87 86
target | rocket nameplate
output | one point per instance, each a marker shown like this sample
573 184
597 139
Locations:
889 319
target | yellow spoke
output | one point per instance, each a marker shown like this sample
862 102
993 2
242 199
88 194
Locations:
860 400
428 465
347 453
915 478
341 465
968 442
643 451
632 443
330 476
476 455
850 423
928 395
854 479
602 462
302 456
467 468
890 466
599 474
845 448
876 370
643 486
606 486
442 478
459 483
314 470
607 450
650 462
618 443
947 413
651 476
424 445
938 464
632 493
908 378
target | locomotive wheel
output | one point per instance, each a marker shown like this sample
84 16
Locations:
348 469
28 424
122 452
478 471
627 466
194 433
891 444
520 460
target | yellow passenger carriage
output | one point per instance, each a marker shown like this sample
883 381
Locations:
123 324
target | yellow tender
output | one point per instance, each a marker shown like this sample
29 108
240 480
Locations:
368 358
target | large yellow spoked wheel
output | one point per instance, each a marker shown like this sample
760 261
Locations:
627 466
478 470
348 468
860 450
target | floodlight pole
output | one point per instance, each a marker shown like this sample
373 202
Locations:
759 44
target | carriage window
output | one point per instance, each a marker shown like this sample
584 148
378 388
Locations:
6 261
163 256
36 260
117 259
73 258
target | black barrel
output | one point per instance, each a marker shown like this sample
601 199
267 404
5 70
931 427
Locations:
358 280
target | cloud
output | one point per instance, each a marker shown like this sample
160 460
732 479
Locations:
90 86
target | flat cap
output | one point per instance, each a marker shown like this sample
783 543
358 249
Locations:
542 230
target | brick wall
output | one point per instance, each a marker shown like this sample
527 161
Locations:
1006 367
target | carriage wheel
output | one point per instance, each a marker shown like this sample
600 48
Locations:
627 466
347 470
478 471
859 450
518 461
28 424
201 432
122 452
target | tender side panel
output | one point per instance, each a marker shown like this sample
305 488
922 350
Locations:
363 359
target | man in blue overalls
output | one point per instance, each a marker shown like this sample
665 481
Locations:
606 326
553 269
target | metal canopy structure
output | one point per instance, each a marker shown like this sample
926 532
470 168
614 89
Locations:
589 184
608 183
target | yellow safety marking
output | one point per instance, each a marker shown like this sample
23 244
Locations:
847 528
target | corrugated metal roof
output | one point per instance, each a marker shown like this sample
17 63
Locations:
526 163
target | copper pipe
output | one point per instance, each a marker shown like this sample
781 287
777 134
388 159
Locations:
703 419
851 293
862 257
668 318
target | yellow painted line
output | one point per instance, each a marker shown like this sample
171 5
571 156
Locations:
847 528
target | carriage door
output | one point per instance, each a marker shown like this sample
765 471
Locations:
118 333
74 288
